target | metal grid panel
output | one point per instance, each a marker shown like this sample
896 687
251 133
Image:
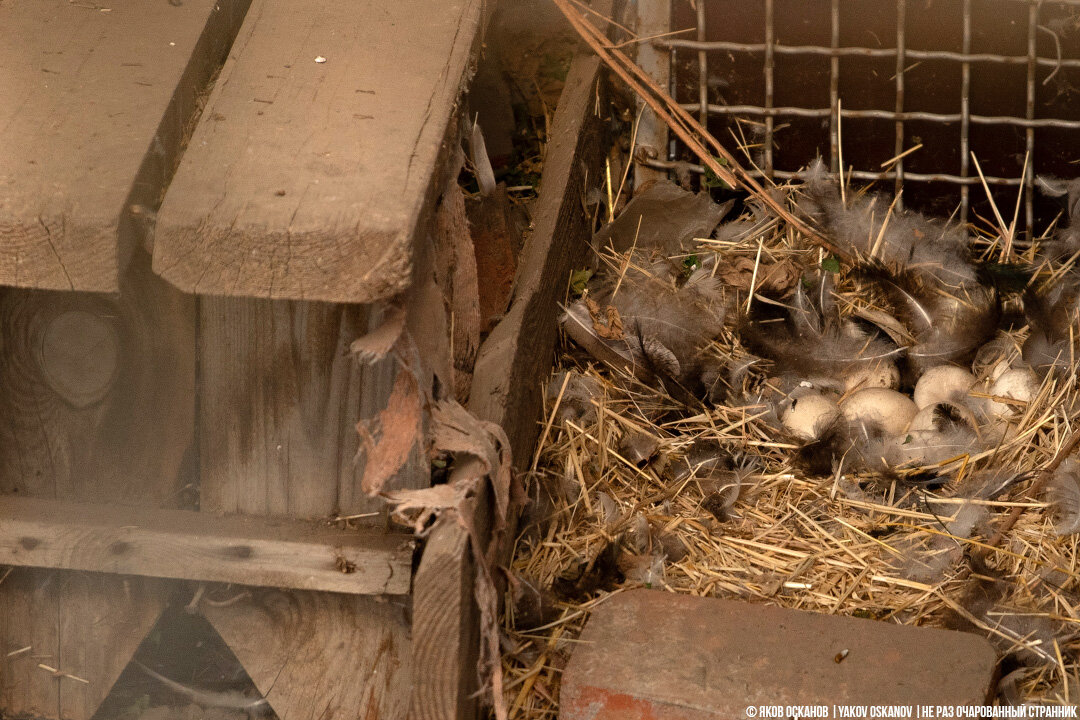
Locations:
965 119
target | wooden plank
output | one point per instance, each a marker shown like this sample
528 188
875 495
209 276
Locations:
26 597
281 398
187 545
97 393
445 628
95 104
316 655
506 390
61 634
517 355
308 180
103 619
653 20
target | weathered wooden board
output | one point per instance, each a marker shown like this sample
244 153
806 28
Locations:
26 596
318 150
320 655
65 666
507 390
280 400
188 545
97 392
516 357
445 627
653 20
95 101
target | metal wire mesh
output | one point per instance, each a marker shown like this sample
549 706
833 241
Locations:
711 53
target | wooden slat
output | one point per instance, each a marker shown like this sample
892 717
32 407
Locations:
445 627
95 102
319 655
506 390
280 400
517 356
308 180
98 395
189 545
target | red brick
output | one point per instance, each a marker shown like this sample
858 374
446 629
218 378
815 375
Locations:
652 655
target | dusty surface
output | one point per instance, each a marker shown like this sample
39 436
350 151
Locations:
314 162
714 658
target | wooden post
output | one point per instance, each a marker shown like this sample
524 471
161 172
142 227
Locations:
510 368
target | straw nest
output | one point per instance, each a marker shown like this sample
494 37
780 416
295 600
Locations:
633 487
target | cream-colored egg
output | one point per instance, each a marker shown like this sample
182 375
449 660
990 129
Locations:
880 375
888 409
808 415
1016 384
944 383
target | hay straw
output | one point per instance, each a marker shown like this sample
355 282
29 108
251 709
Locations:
811 543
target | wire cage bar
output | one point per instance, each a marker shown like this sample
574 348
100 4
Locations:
711 54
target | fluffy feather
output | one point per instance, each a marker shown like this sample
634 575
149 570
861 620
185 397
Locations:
1063 492
811 342
1052 314
683 319
1067 241
910 241
922 266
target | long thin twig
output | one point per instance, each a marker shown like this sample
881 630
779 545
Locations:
707 148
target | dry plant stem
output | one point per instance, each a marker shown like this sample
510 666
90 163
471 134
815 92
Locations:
682 123
1044 477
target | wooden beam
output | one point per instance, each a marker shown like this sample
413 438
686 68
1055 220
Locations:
98 392
280 401
506 389
445 627
96 102
653 19
322 655
319 150
187 545
517 356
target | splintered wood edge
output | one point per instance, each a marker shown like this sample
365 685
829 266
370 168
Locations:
518 353
188 545
446 629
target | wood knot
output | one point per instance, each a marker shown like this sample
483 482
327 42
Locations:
79 355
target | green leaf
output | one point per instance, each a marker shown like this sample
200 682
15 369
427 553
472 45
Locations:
691 263
830 264
711 179
578 280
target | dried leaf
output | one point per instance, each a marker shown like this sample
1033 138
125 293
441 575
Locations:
607 324
579 279
772 278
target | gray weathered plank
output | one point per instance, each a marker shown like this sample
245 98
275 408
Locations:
308 180
506 390
95 102
182 544
322 655
98 395
281 397
516 357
